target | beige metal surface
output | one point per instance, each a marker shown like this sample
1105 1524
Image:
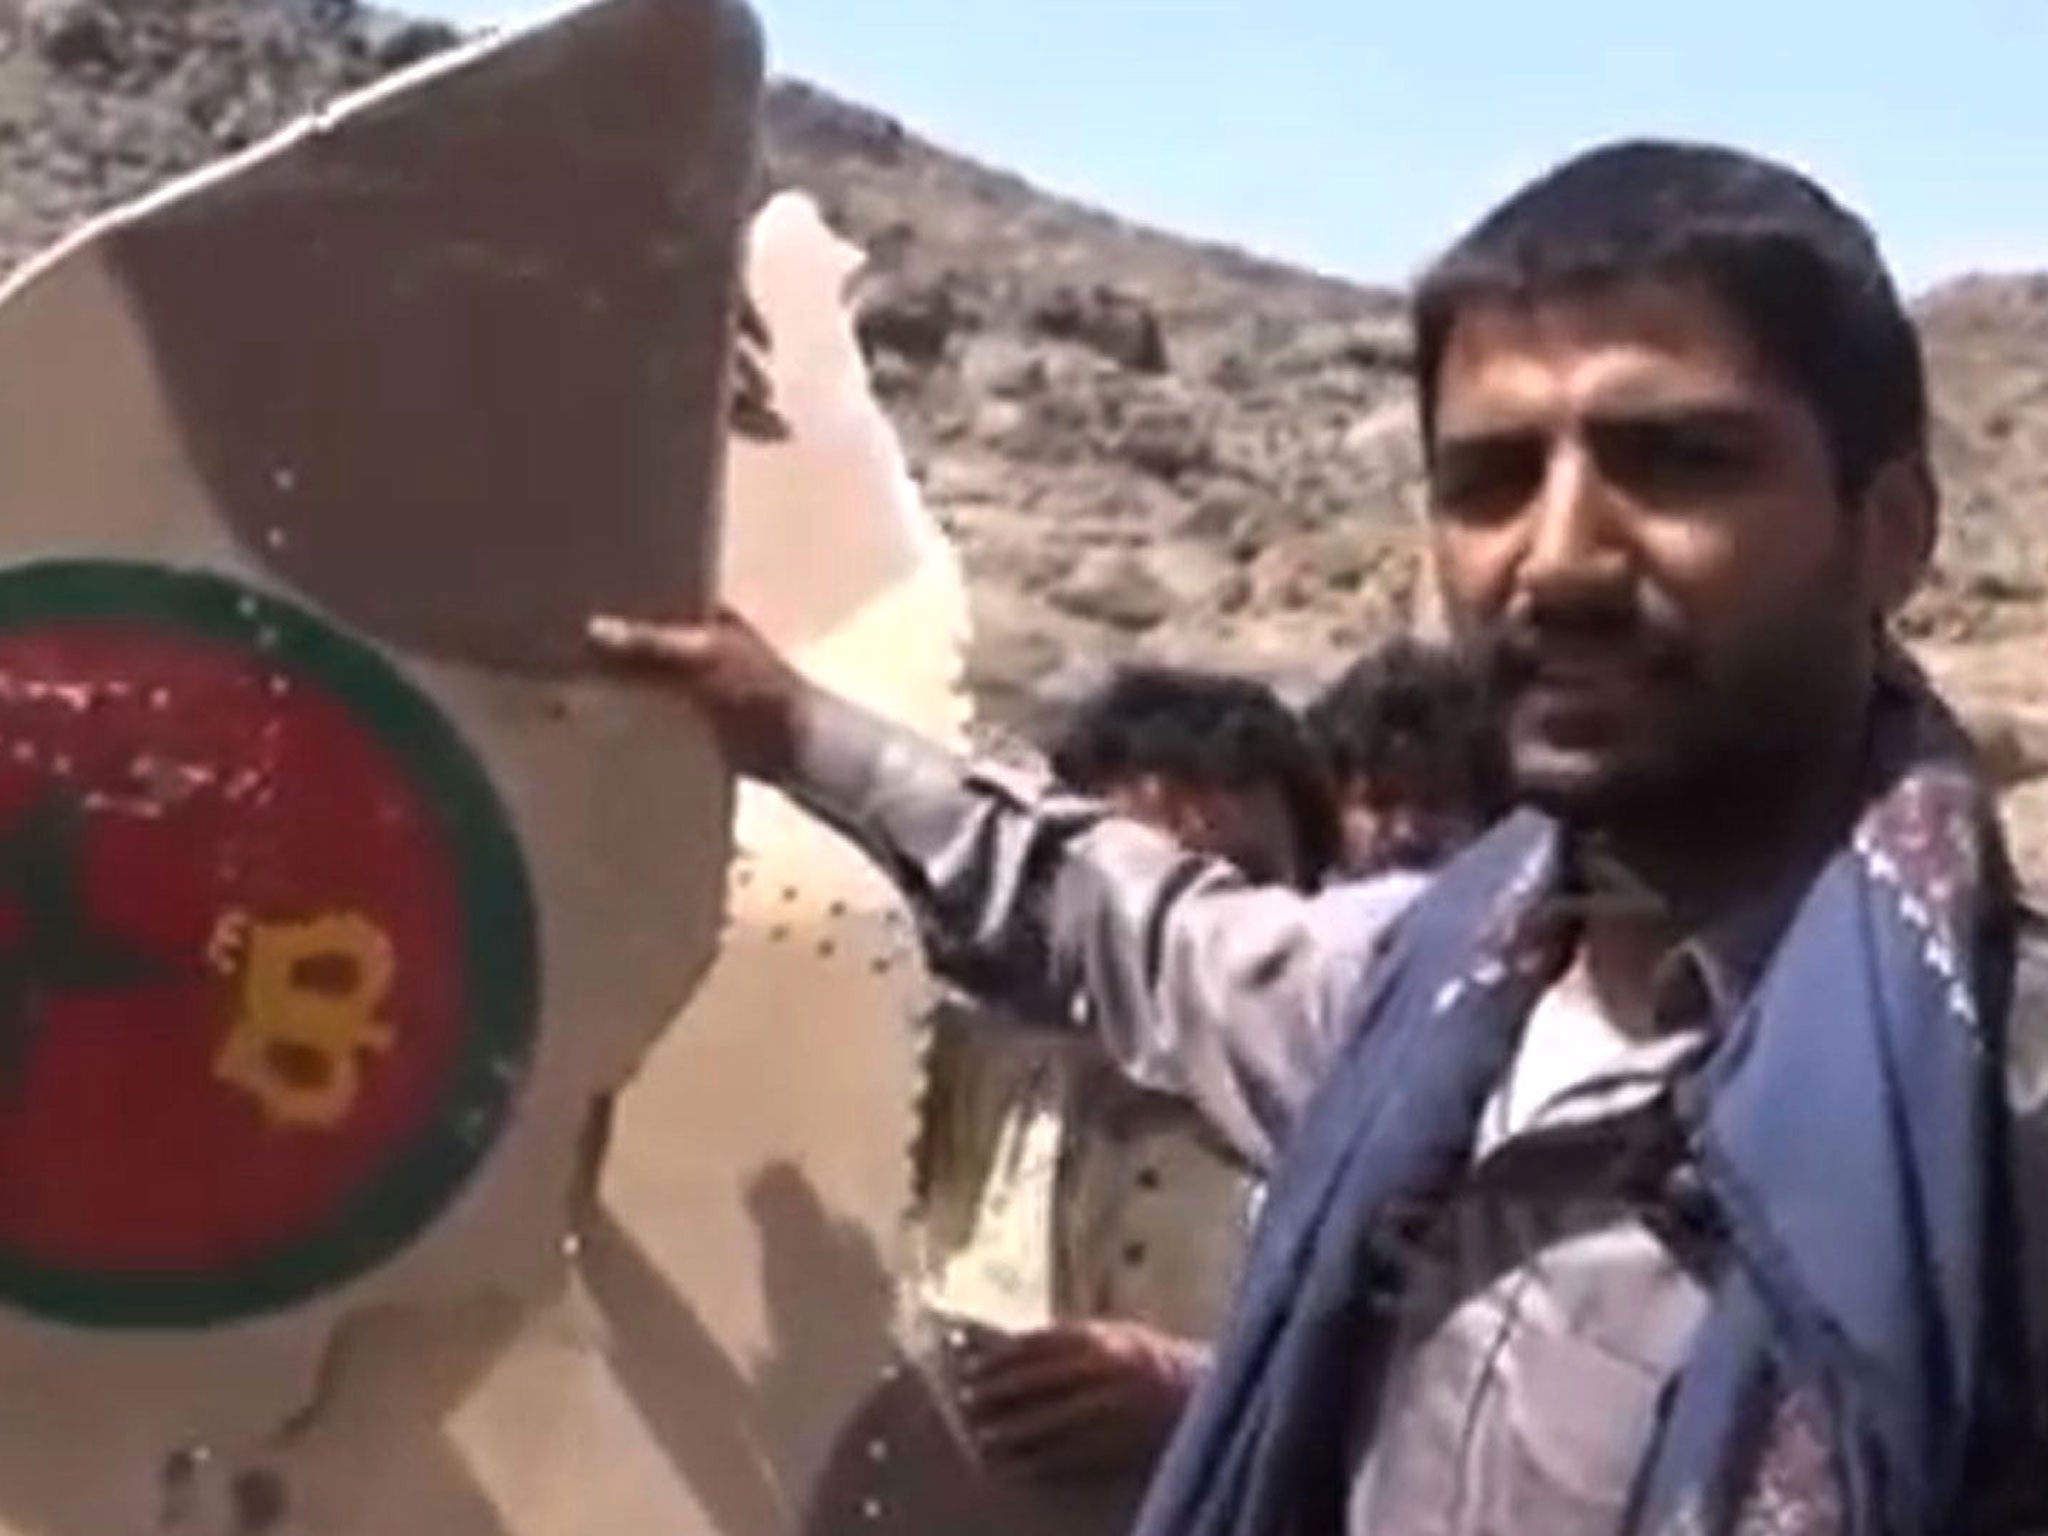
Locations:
780 1114
467 390
761 1172
447 366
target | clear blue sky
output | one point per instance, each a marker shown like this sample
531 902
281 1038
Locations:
1356 136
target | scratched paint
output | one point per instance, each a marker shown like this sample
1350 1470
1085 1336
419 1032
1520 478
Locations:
255 1022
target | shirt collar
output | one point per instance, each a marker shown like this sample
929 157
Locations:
1706 977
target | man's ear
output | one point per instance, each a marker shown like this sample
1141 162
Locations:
1901 519
1187 815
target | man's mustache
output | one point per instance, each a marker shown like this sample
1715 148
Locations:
1523 645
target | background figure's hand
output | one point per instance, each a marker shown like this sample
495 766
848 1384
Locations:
1078 1399
753 414
753 698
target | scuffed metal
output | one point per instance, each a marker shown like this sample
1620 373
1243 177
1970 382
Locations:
234 377
669 1295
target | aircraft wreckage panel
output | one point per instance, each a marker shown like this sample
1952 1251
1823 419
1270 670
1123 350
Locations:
344 893
750 1232
336 889
749 1249
734 1312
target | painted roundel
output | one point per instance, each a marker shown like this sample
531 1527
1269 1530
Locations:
268 955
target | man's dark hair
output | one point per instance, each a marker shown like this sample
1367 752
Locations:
1206 731
1802 274
1407 705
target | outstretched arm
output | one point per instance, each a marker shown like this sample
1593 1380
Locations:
1199 984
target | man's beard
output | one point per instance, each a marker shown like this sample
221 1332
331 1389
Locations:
1706 741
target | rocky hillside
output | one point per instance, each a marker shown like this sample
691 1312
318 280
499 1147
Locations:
1143 444
1138 441
102 99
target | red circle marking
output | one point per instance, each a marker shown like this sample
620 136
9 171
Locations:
200 800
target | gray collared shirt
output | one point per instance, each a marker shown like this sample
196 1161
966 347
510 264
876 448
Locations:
1560 1289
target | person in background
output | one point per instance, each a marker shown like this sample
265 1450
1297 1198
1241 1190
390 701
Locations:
1053 1185
1415 754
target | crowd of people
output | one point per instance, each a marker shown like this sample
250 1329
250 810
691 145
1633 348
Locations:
1620 1035
1058 1190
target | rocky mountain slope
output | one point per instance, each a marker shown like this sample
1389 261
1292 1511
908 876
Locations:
1148 442
1143 444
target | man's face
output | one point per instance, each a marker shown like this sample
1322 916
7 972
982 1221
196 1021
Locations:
1639 529
1251 827
1409 815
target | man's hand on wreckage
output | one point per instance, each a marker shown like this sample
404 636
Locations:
1078 1399
753 698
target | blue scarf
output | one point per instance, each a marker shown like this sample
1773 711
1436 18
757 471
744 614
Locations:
1849 1129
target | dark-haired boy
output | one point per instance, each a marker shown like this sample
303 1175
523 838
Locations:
1094 1225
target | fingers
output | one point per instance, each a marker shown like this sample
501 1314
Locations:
753 412
1077 1398
681 646
753 326
752 697
1023 1370
1048 1403
1060 1436
994 1350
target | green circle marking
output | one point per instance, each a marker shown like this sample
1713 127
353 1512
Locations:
499 948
